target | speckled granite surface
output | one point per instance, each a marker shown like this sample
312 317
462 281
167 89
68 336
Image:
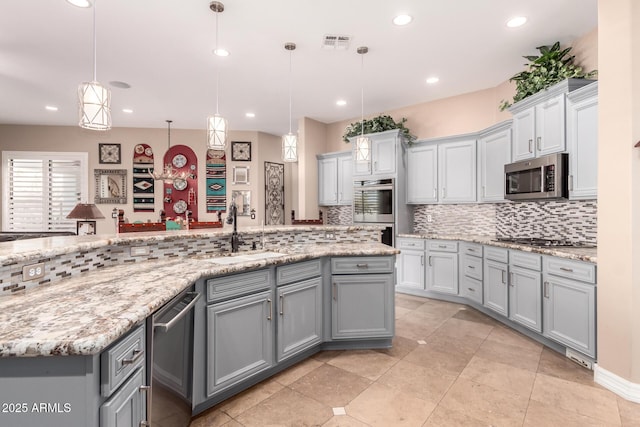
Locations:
581 254
84 313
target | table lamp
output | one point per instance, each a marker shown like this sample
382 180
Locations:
85 212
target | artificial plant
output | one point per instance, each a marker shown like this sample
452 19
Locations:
378 124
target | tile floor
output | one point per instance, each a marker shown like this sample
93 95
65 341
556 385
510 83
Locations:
450 365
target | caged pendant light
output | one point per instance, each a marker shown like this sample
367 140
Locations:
363 145
217 126
94 100
290 141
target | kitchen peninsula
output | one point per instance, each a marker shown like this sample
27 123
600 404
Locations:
75 354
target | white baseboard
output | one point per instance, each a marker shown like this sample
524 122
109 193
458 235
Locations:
620 386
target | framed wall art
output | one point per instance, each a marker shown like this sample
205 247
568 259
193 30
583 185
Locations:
86 228
240 151
241 174
111 186
109 153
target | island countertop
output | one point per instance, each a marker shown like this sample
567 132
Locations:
84 313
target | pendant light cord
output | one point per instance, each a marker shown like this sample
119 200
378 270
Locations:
95 55
290 85
362 93
217 66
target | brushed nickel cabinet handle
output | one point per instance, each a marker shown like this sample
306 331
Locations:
137 355
471 267
421 259
471 289
333 292
364 265
539 143
570 182
281 305
147 390
504 281
545 291
270 308
430 261
569 270
531 146
511 280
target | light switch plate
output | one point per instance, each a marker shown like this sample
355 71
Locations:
33 271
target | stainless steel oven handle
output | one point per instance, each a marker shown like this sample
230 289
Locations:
168 325
362 188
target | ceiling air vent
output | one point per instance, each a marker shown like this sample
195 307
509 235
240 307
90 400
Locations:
335 41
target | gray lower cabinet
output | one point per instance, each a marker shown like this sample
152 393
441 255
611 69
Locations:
299 317
362 304
126 408
240 339
525 297
442 271
495 286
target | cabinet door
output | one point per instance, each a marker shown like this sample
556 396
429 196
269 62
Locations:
362 306
525 297
239 340
384 155
345 180
328 182
569 313
524 128
422 174
550 125
495 152
457 172
126 407
495 286
582 141
299 317
411 271
442 272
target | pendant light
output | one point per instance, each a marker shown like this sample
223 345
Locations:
363 151
217 126
290 141
169 174
94 100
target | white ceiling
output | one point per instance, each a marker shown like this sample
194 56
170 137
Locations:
163 49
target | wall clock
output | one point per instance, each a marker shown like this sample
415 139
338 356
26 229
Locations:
241 151
109 153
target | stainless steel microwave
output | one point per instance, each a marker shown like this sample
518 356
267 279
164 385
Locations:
544 177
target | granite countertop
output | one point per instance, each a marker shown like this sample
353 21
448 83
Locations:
580 254
83 314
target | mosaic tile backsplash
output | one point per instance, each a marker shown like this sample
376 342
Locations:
340 215
575 221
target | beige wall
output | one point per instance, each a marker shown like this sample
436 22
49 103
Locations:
68 138
619 188
311 141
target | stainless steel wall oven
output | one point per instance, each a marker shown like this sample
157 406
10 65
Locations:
373 203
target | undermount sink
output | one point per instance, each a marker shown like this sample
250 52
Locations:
245 257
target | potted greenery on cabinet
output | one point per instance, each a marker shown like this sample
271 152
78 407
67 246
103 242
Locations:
378 124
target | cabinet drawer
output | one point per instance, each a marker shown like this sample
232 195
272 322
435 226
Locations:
576 270
299 271
239 284
360 265
525 260
496 254
120 360
416 244
472 266
471 288
442 246
473 249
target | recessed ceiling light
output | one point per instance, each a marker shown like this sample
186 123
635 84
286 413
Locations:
51 108
80 3
127 110
516 21
341 102
432 80
250 115
402 19
221 52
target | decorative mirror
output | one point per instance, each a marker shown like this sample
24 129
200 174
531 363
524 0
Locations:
243 201
241 174
111 186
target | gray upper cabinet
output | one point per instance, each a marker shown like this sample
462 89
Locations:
494 151
335 179
422 174
382 155
582 142
539 121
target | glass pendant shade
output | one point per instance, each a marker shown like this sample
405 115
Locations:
363 149
94 102
289 147
217 128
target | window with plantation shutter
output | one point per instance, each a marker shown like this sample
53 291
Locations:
40 189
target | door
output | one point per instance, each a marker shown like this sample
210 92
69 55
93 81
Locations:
384 155
328 182
422 174
495 286
362 306
524 129
345 180
239 340
457 172
411 271
582 144
299 317
525 297
442 272
495 152
550 125
125 408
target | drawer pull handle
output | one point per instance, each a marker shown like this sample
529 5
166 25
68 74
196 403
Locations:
546 290
281 305
442 246
471 267
270 308
569 270
471 289
365 265
137 355
471 250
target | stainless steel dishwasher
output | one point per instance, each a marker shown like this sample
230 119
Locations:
170 363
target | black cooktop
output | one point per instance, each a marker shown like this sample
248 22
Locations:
536 241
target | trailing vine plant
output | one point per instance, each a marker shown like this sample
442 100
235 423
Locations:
378 124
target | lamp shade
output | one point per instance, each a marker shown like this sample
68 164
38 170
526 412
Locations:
85 211
94 101
363 149
217 128
289 148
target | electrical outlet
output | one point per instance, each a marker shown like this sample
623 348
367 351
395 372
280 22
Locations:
139 250
429 218
33 271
